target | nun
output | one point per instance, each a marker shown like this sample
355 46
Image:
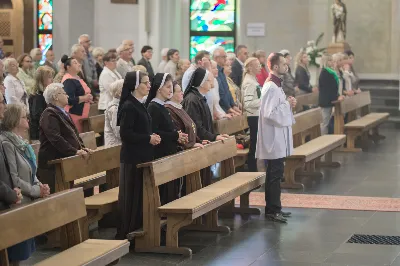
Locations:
162 125
195 105
138 140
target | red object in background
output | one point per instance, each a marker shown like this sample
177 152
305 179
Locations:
240 146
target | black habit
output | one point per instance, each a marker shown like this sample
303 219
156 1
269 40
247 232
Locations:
135 131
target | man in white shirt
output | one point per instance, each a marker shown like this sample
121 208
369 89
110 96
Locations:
274 138
124 63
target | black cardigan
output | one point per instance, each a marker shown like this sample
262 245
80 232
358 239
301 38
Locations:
328 89
37 105
74 89
196 106
135 131
163 126
302 79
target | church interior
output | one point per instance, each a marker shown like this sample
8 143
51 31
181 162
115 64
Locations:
200 132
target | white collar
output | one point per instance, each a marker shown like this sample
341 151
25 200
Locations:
240 62
156 100
176 105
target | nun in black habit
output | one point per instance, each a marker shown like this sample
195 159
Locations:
137 147
161 90
195 104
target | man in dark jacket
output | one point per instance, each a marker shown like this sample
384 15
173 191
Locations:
237 65
147 54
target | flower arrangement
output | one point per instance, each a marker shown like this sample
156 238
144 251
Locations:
314 53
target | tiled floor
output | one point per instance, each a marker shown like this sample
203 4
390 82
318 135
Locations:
312 237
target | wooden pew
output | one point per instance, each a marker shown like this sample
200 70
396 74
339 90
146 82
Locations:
103 160
94 109
308 154
93 123
66 210
233 126
309 100
358 127
187 211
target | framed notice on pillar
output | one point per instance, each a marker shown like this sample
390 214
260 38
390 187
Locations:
212 24
124 1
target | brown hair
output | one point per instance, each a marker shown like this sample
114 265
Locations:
21 59
12 116
40 74
273 59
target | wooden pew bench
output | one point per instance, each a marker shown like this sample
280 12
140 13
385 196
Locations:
361 127
71 169
94 123
89 140
187 211
305 159
230 127
308 100
66 210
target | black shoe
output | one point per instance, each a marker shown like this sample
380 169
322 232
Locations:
286 214
276 217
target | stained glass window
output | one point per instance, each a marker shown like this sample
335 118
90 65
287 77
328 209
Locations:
212 24
210 43
44 26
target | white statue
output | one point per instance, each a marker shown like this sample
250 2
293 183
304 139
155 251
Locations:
339 13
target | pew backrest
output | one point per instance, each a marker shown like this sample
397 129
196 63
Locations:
190 161
42 215
353 103
75 167
94 123
307 120
94 109
231 126
306 100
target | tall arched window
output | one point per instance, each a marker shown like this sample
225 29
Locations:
212 24
44 26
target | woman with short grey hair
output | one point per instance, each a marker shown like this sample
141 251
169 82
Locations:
15 88
58 135
111 130
98 54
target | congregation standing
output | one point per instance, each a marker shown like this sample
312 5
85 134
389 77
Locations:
158 111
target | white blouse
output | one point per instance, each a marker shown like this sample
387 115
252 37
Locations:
15 91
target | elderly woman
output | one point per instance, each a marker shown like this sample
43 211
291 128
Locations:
37 104
79 93
36 55
181 68
251 101
288 79
58 135
233 88
26 71
111 130
98 54
60 74
15 88
261 55
21 162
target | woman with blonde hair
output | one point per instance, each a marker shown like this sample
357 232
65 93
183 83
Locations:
302 75
26 71
111 130
251 90
15 88
37 104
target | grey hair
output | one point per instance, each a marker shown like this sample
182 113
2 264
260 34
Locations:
218 51
83 35
116 87
231 56
98 51
325 59
7 63
338 56
121 48
75 48
164 51
34 51
51 91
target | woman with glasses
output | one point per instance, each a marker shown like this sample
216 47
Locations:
21 162
79 93
107 77
26 71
